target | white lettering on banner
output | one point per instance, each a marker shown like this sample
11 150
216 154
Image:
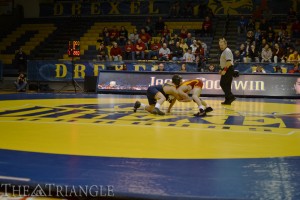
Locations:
249 85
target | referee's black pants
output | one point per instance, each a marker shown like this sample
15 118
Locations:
225 83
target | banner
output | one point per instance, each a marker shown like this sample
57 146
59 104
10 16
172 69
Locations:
282 85
41 70
141 7
268 67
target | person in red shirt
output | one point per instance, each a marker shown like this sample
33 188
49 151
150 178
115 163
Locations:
129 51
145 37
154 48
295 69
116 52
113 34
140 49
296 29
207 27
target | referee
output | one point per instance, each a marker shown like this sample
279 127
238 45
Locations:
226 72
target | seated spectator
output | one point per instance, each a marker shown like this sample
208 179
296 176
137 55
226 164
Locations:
270 35
204 46
21 83
183 68
194 46
114 34
251 25
177 52
176 38
183 45
294 57
106 39
129 51
189 39
260 69
188 56
161 67
140 48
253 53
145 37
200 57
237 57
102 53
134 36
183 32
242 25
295 69
277 53
250 37
266 54
242 51
166 33
207 27
21 60
263 27
116 52
164 53
154 49
123 36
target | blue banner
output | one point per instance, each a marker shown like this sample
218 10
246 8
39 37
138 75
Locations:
40 70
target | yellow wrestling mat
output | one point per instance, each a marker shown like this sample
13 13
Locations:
107 126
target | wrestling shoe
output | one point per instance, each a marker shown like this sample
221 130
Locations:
136 106
232 100
208 109
156 111
201 113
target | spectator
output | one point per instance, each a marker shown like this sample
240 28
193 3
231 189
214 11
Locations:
21 60
242 25
113 34
207 27
251 25
134 36
278 69
123 36
21 83
295 69
242 51
250 37
102 53
154 48
129 51
189 39
106 39
177 52
294 57
270 35
140 48
161 67
166 33
212 68
194 46
188 56
145 37
176 38
237 57
183 68
164 53
104 31
266 54
183 45
116 52
253 54
183 32
263 27
277 53
297 86
260 69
